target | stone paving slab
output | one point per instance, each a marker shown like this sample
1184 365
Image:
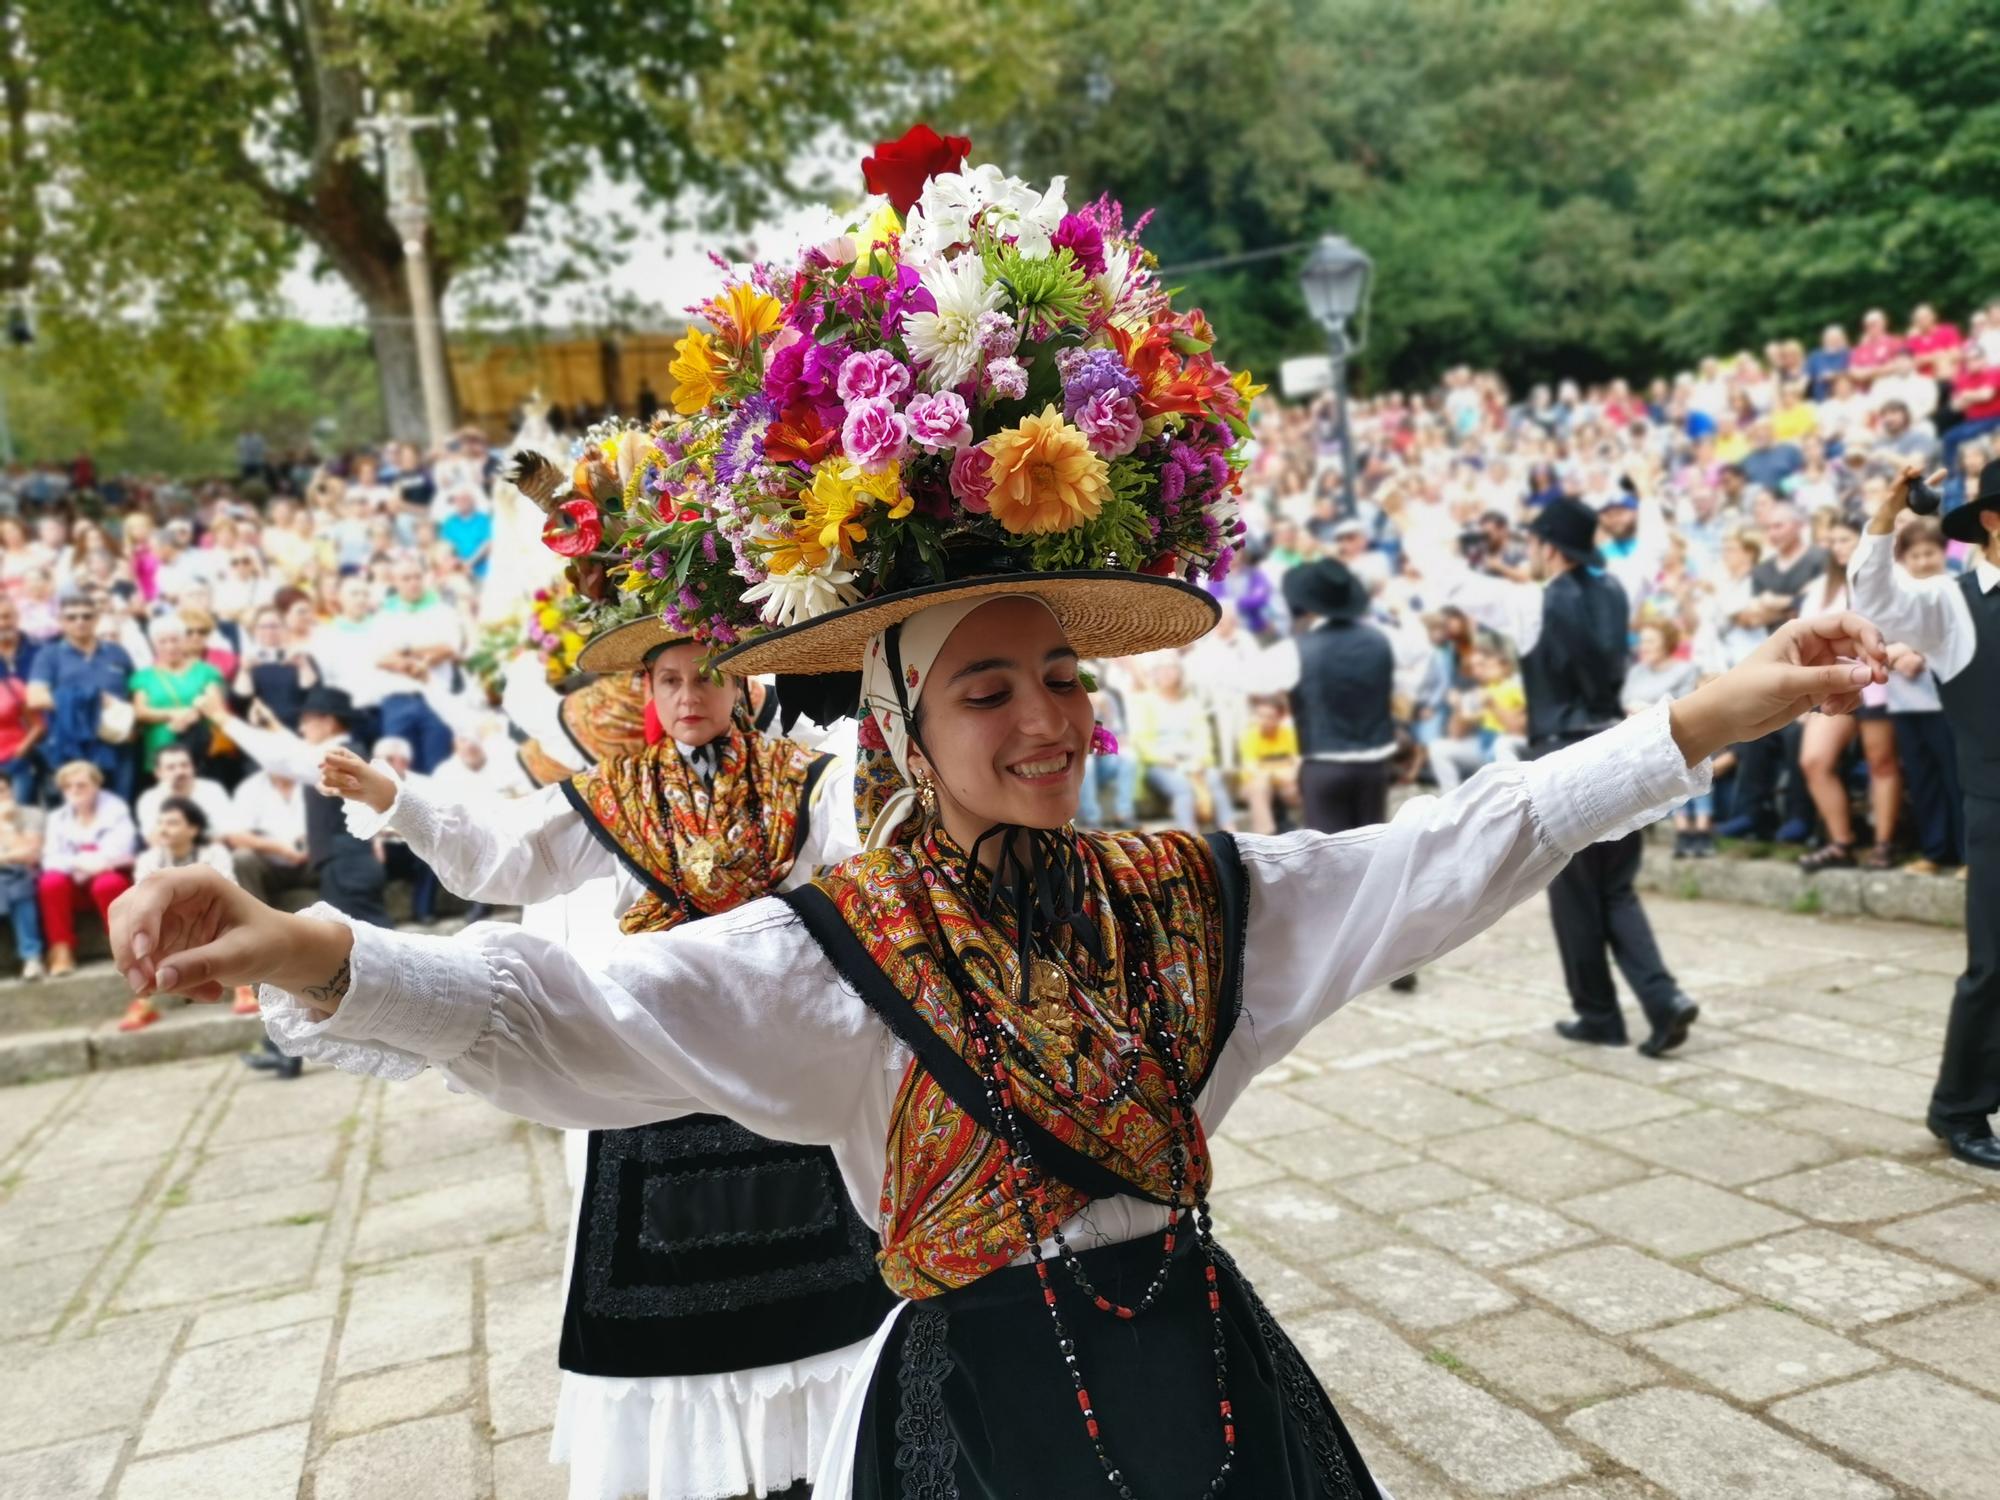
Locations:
1522 1268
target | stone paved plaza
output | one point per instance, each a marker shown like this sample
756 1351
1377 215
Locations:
1522 1268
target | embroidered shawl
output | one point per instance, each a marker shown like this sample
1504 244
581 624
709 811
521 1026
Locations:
700 850
947 1217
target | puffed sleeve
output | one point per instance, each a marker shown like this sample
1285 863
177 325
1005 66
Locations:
500 849
1332 915
738 1014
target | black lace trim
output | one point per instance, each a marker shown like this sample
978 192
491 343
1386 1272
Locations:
665 1182
926 1452
1302 1393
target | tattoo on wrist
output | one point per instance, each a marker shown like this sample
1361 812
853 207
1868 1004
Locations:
327 996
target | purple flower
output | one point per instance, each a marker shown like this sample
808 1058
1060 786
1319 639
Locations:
1084 240
972 479
997 334
743 439
708 545
1102 741
1111 422
1007 378
1089 372
1173 484
804 371
939 421
875 373
874 434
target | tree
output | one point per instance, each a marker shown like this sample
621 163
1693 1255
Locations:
1840 155
1486 155
204 142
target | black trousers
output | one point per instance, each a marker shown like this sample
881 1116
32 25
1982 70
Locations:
351 883
1759 765
1596 907
1336 795
1968 1085
1930 771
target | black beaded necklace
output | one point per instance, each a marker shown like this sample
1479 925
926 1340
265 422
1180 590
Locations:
993 1045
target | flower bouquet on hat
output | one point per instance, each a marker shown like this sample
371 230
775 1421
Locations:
975 381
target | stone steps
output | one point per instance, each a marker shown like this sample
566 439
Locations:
1891 895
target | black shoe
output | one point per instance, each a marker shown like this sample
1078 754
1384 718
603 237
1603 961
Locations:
1974 1144
1594 1032
1404 986
1682 846
266 1061
1669 1036
479 911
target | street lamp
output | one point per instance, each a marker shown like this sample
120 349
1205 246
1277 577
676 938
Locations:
1335 281
410 213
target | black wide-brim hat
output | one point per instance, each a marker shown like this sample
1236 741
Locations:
1326 588
1963 524
330 701
1570 527
1103 612
624 648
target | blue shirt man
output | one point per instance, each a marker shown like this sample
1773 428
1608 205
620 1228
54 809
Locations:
70 680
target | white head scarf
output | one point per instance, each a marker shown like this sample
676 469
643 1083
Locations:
890 702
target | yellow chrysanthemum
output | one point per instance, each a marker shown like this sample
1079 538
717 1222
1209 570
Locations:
743 314
1045 478
697 372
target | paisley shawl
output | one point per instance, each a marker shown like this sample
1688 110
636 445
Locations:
699 850
946 1216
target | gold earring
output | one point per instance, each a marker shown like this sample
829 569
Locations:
927 794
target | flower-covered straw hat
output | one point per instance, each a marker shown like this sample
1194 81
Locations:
976 391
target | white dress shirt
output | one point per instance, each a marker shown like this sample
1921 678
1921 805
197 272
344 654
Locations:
260 808
741 1014
1925 614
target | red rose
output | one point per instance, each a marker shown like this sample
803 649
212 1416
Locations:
899 169
575 529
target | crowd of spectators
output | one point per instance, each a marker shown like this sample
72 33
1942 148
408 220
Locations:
137 619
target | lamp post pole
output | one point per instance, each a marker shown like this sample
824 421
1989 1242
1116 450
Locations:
1337 348
410 212
1335 282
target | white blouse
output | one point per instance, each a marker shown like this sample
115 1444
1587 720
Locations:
740 1014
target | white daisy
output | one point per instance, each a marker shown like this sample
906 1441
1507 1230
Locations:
946 342
788 598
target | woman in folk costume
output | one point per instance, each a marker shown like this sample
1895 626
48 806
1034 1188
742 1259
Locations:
720 1286
1015 1036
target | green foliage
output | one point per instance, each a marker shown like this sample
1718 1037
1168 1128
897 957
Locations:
1119 529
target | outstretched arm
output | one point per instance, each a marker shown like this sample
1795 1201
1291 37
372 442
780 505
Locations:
1332 915
517 849
1927 614
738 1014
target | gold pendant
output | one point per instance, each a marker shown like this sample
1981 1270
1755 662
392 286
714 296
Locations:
699 860
1048 987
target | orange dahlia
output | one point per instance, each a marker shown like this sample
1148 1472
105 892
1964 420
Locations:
1045 478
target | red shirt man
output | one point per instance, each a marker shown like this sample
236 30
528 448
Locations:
1930 338
1877 348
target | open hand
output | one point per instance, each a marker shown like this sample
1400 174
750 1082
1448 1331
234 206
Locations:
1821 663
345 774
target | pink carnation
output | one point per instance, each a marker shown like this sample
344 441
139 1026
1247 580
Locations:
874 434
972 479
1112 424
939 421
874 373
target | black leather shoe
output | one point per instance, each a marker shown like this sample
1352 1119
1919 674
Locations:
1592 1032
274 1062
1404 985
1669 1036
1975 1144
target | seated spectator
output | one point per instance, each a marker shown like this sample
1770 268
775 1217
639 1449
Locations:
1878 347
21 826
1928 339
1659 674
1117 768
1175 743
399 861
1900 441
167 696
207 640
273 671
468 529
180 836
1917 393
89 847
175 776
416 642
1268 751
1488 723
1923 738
267 835
83 685
21 726
1769 462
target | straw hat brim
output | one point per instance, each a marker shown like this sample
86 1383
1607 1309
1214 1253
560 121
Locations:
1102 613
624 648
